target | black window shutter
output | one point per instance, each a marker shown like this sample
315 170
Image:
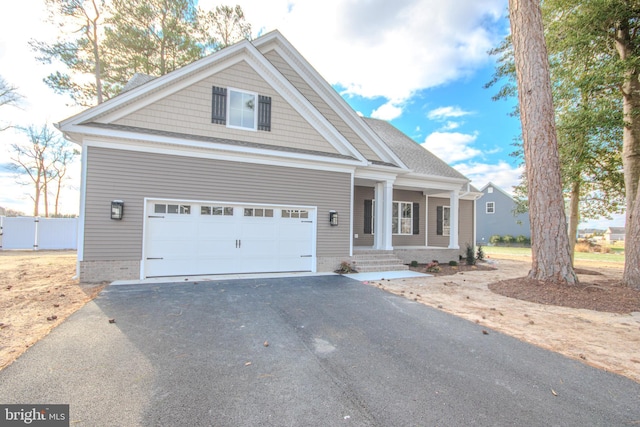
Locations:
264 113
219 105
367 216
439 220
416 218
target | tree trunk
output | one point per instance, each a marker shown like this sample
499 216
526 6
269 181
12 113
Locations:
574 217
631 275
550 257
630 157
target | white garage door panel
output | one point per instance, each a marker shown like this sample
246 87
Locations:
197 243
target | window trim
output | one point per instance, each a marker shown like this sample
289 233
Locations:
413 230
255 109
493 208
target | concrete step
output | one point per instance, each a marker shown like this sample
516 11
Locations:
369 261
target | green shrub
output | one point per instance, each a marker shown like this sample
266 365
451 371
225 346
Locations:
471 259
414 263
508 239
523 240
495 239
453 263
480 254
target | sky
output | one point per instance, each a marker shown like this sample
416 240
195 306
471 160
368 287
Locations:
420 64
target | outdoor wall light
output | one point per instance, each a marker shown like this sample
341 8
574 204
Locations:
117 209
333 217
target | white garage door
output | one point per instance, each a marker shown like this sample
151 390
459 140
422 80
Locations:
206 238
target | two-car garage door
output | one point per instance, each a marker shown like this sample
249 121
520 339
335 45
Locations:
185 238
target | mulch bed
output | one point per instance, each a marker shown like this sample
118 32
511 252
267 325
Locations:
446 269
592 294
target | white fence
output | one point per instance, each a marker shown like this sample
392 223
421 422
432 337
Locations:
38 233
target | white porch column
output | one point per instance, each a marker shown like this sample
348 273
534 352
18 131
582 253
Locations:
453 220
387 244
383 211
378 216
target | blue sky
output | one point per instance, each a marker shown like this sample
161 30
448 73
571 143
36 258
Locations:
420 64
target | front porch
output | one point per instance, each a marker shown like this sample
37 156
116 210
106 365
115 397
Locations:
368 259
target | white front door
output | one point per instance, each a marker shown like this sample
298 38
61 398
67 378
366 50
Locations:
183 238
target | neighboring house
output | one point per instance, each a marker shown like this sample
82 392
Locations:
248 161
496 215
614 234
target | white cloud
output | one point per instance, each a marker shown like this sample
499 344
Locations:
381 48
501 174
452 147
388 111
443 113
450 126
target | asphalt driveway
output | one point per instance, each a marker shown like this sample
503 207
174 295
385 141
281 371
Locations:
315 351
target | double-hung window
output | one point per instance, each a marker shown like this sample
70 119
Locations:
491 207
443 221
402 218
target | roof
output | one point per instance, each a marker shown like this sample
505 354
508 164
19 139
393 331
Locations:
491 184
616 230
416 157
138 79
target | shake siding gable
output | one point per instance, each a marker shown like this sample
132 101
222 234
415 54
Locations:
112 174
189 111
296 80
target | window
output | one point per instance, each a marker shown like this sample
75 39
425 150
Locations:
443 220
405 217
239 109
216 210
295 213
172 209
490 190
402 218
259 212
491 207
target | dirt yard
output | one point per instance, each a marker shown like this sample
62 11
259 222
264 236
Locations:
37 292
606 340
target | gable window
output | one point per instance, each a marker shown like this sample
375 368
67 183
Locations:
443 220
240 109
491 207
490 190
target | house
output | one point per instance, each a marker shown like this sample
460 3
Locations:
496 215
248 161
614 234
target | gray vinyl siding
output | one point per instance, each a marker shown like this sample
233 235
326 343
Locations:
321 105
189 111
131 176
503 221
465 223
367 193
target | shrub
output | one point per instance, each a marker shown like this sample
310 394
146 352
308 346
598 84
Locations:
523 240
480 254
495 239
433 267
583 246
453 263
414 263
345 268
471 259
508 239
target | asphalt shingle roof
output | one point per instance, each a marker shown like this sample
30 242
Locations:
416 157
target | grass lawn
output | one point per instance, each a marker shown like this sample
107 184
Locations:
526 252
